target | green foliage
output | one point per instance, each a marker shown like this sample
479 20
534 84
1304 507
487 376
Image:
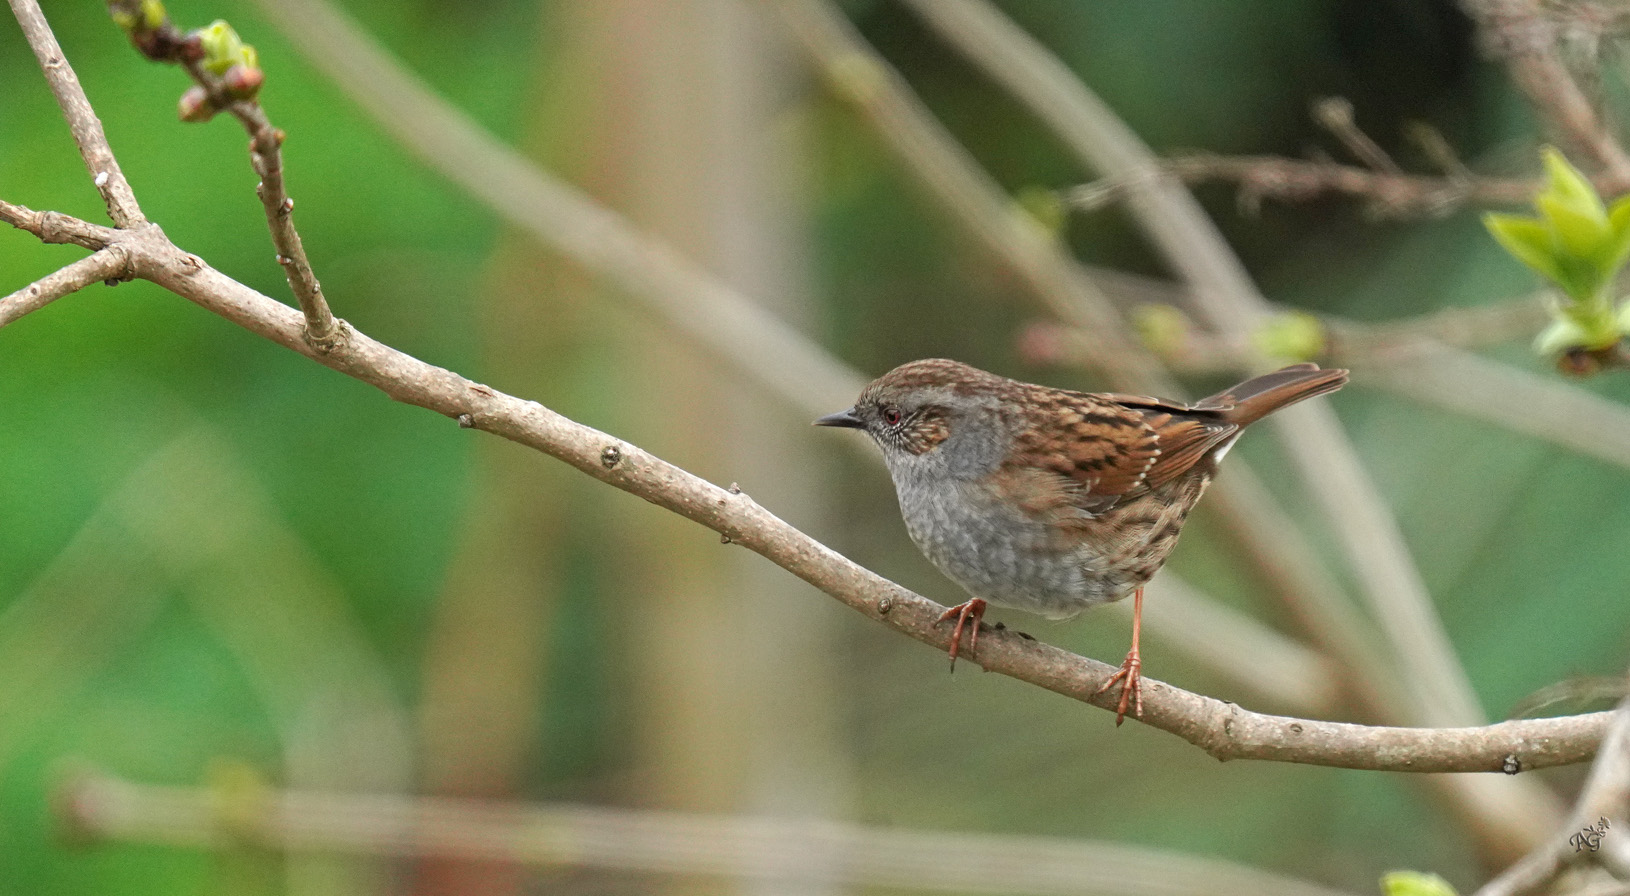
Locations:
1290 336
147 15
1579 244
224 49
1162 328
1414 883
1045 208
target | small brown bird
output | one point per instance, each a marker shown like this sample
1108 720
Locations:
1048 500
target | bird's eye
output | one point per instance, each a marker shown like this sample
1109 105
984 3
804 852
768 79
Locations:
891 415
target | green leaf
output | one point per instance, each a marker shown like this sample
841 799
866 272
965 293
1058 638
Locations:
1528 240
1596 320
1617 246
1582 279
223 48
1565 185
1044 207
1581 234
1562 334
1292 336
1414 883
1163 328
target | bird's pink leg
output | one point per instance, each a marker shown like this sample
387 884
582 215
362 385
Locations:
963 613
1131 674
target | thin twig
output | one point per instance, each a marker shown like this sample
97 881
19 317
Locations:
104 265
55 227
1335 114
1497 323
266 157
1224 730
1349 342
82 121
163 41
1387 195
101 807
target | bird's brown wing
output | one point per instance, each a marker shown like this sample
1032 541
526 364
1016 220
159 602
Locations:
1095 451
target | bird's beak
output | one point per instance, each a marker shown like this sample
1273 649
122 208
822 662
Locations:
845 419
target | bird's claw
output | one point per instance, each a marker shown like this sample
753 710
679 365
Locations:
963 613
1130 678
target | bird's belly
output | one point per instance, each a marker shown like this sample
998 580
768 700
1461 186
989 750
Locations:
1009 559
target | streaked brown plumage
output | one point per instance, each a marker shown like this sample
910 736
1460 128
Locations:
1049 500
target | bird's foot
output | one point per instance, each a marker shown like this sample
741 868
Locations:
964 613
1130 678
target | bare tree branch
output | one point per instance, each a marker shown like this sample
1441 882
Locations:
109 264
1335 114
1387 194
82 121
266 157
55 227
163 41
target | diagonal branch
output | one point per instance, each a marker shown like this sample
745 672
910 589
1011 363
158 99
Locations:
1388 194
266 157
110 264
82 120
55 227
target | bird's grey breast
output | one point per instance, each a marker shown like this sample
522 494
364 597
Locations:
980 537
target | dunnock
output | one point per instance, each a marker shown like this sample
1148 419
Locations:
1048 500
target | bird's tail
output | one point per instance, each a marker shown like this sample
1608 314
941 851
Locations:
1256 398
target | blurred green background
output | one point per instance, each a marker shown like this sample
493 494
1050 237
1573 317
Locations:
218 559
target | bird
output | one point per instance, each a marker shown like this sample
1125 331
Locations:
1049 500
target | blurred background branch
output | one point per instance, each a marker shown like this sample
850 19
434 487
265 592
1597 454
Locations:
99 807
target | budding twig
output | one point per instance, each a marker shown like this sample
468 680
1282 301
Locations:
228 78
